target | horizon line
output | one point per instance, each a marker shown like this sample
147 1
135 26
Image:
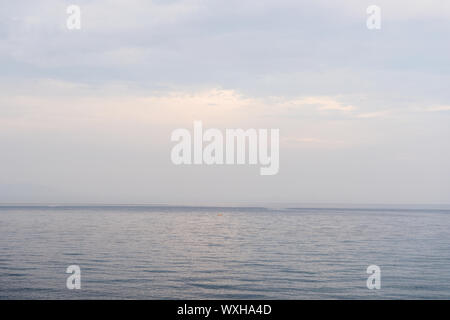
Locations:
265 205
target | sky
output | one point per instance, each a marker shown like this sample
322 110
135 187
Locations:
86 115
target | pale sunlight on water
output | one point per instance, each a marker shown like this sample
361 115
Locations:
221 253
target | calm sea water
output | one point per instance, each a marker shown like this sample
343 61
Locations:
221 253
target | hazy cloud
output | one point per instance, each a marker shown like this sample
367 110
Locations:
86 115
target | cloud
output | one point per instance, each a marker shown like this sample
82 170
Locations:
254 45
371 115
319 103
55 102
98 105
437 108
309 142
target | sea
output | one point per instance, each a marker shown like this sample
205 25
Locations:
188 252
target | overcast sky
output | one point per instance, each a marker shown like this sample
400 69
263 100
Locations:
86 115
